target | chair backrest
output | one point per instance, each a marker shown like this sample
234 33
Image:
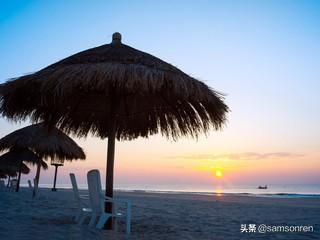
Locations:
75 188
30 184
95 191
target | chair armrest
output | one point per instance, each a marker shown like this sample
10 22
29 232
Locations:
117 200
84 196
126 203
84 200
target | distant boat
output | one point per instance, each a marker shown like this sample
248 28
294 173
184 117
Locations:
263 187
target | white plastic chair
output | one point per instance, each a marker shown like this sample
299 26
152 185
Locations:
97 201
81 201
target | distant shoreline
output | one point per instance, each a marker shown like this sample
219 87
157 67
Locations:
243 194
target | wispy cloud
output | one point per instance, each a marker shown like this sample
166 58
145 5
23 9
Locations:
241 156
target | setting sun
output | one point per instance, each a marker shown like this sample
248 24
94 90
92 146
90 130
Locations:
219 173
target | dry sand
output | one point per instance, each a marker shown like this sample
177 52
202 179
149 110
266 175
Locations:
158 216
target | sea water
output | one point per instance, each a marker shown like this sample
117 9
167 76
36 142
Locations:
280 190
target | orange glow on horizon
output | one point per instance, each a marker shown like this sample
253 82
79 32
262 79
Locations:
137 164
218 192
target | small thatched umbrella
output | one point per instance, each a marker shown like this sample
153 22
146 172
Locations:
117 92
22 155
8 173
46 142
10 166
4 174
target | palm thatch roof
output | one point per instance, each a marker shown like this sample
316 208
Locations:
146 95
25 155
44 141
4 174
10 167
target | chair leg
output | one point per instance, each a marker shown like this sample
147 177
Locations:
128 227
128 219
102 220
77 217
93 220
81 219
115 224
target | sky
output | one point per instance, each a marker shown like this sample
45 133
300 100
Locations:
264 55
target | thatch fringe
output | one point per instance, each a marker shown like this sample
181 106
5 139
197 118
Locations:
45 142
78 93
10 166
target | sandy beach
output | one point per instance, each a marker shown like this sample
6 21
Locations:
158 216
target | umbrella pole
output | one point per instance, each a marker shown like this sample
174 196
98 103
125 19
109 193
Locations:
110 166
36 183
19 176
55 179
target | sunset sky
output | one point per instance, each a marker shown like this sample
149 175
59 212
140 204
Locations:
264 55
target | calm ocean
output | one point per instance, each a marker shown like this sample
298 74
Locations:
288 190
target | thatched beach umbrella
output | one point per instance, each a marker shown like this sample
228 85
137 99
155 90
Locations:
11 167
8 173
22 155
117 92
56 163
3 175
46 142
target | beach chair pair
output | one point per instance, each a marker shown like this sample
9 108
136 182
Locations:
92 205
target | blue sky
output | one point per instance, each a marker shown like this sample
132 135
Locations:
265 55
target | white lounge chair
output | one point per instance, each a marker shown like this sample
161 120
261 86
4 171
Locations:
97 201
82 200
